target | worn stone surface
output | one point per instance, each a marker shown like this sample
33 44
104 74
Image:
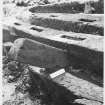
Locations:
37 54
81 87
88 102
66 6
86 48
41 34
87 93
79 23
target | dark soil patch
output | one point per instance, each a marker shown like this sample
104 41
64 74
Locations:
87 20
37 29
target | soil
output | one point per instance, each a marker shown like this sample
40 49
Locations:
23 86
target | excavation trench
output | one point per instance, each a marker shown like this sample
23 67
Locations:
79 55
50 92
79 24
72 86
41 86
77 27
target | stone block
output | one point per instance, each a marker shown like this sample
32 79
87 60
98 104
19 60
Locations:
37 54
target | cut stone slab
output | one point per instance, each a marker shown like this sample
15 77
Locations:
87 49
35 53
81 87
65 6
87 93
80 23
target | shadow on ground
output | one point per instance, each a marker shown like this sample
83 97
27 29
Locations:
50 92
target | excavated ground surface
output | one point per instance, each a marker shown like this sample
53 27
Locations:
29 88
87 46
25 87
79 23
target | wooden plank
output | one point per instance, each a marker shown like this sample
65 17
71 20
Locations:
57 73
